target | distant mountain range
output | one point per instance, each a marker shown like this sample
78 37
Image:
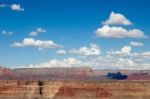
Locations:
77 74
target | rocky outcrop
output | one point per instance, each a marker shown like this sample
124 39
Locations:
74 90
7 74
81 92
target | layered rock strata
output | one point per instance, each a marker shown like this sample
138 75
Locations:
74 90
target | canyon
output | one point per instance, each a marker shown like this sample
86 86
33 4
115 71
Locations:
74 90
69 74
73 83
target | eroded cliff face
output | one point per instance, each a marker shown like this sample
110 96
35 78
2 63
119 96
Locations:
74 90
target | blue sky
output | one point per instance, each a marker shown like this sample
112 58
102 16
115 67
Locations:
72 26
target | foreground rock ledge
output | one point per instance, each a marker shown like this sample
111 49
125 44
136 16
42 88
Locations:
74 90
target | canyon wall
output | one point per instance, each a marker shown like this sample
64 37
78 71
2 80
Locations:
74 90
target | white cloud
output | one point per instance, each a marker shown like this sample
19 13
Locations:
119 32
93 50
37 31
6 32
33 33
37 43
124 58
146 54
61 52
126 49
41 30
69 62
117 19
16 7
101 62
138 44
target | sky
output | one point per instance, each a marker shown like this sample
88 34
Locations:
101 34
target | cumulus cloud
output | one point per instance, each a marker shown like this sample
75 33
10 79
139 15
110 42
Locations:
107 61
138 44
124 58
61 52
37 43
37 31
93 50
124 51
40 30
119 32
14 7
117 19
68 62
6 32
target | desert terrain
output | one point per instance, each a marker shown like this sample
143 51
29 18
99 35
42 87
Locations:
73 83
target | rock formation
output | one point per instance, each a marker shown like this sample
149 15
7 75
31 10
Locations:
74 90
